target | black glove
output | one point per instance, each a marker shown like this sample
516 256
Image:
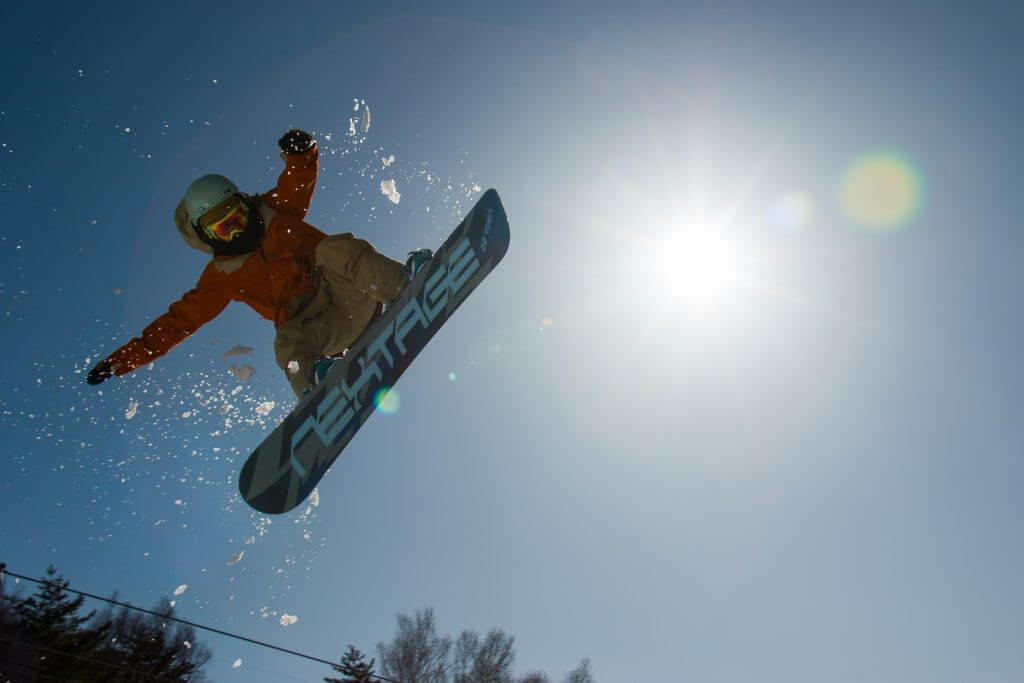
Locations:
102 371
295 141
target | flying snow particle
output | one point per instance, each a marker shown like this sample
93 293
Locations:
117 291
235 558
188 645
238 663
243 373
265 408
293 366
364 125
388 189
388 160
314 498
181 589
288 619
238 350
133 408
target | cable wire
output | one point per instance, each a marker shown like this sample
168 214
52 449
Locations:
5 571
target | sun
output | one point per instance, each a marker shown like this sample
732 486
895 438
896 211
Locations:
700 269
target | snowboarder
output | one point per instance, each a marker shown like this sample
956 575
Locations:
320 291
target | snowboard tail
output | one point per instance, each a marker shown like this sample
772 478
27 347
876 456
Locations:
290 462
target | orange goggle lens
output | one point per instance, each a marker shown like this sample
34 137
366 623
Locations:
227 223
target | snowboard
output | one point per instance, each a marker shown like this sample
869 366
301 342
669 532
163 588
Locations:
292 460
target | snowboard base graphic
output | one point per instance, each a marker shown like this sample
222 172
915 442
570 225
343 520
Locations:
290 462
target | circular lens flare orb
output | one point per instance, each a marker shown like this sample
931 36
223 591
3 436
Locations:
386 400
881 190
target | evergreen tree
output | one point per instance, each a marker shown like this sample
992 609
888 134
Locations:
64 647
354 668
18 662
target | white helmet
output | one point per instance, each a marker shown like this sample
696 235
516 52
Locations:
207 192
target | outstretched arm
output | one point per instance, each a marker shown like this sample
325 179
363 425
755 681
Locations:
295 186
192 311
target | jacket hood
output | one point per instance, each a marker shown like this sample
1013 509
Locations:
225 264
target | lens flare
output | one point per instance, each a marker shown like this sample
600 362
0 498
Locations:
386 400
882 190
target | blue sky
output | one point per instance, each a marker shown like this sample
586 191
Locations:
804 464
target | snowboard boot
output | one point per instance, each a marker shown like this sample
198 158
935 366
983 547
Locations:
320 370
322 367
417 259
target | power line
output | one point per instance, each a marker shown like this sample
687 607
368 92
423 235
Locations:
4 570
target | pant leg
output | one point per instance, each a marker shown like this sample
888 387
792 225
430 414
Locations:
349 262
297 345
354 277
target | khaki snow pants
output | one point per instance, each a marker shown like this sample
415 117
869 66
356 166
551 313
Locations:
351 278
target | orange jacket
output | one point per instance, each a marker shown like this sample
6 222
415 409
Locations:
269 280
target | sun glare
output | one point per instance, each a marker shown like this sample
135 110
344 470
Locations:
700 269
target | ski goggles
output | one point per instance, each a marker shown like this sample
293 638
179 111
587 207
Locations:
227 220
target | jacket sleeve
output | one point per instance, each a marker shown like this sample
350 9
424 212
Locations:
196 308
296 183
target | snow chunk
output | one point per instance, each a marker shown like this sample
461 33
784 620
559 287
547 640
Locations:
238 350
236 557
181 589
293 366
288 619
314 498
238 663
133 408
364 124
388 189
243 373
265 407
388 160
